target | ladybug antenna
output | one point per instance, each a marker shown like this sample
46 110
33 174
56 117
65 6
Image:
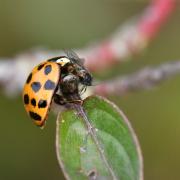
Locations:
96 83
83 90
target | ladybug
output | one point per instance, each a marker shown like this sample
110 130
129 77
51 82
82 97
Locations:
54 79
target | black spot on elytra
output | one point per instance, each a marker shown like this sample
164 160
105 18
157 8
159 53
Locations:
47 69
26 99
36 86
35 116
29 78
33 102
40 67
49 85
42 103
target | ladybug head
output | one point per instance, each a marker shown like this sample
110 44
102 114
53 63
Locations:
78 68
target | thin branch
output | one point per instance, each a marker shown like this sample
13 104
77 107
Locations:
144 79
130 38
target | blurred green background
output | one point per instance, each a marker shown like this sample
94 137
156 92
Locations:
26 152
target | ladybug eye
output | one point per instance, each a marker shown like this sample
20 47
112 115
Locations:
70 69
85 78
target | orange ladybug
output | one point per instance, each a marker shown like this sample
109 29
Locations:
48 79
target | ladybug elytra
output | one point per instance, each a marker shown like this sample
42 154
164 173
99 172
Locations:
60 74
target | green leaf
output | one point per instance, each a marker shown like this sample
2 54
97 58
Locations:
96 141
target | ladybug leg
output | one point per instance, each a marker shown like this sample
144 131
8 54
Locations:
69 89
76 101
69 85
60 100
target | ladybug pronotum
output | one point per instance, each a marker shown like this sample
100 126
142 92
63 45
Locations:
47 79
